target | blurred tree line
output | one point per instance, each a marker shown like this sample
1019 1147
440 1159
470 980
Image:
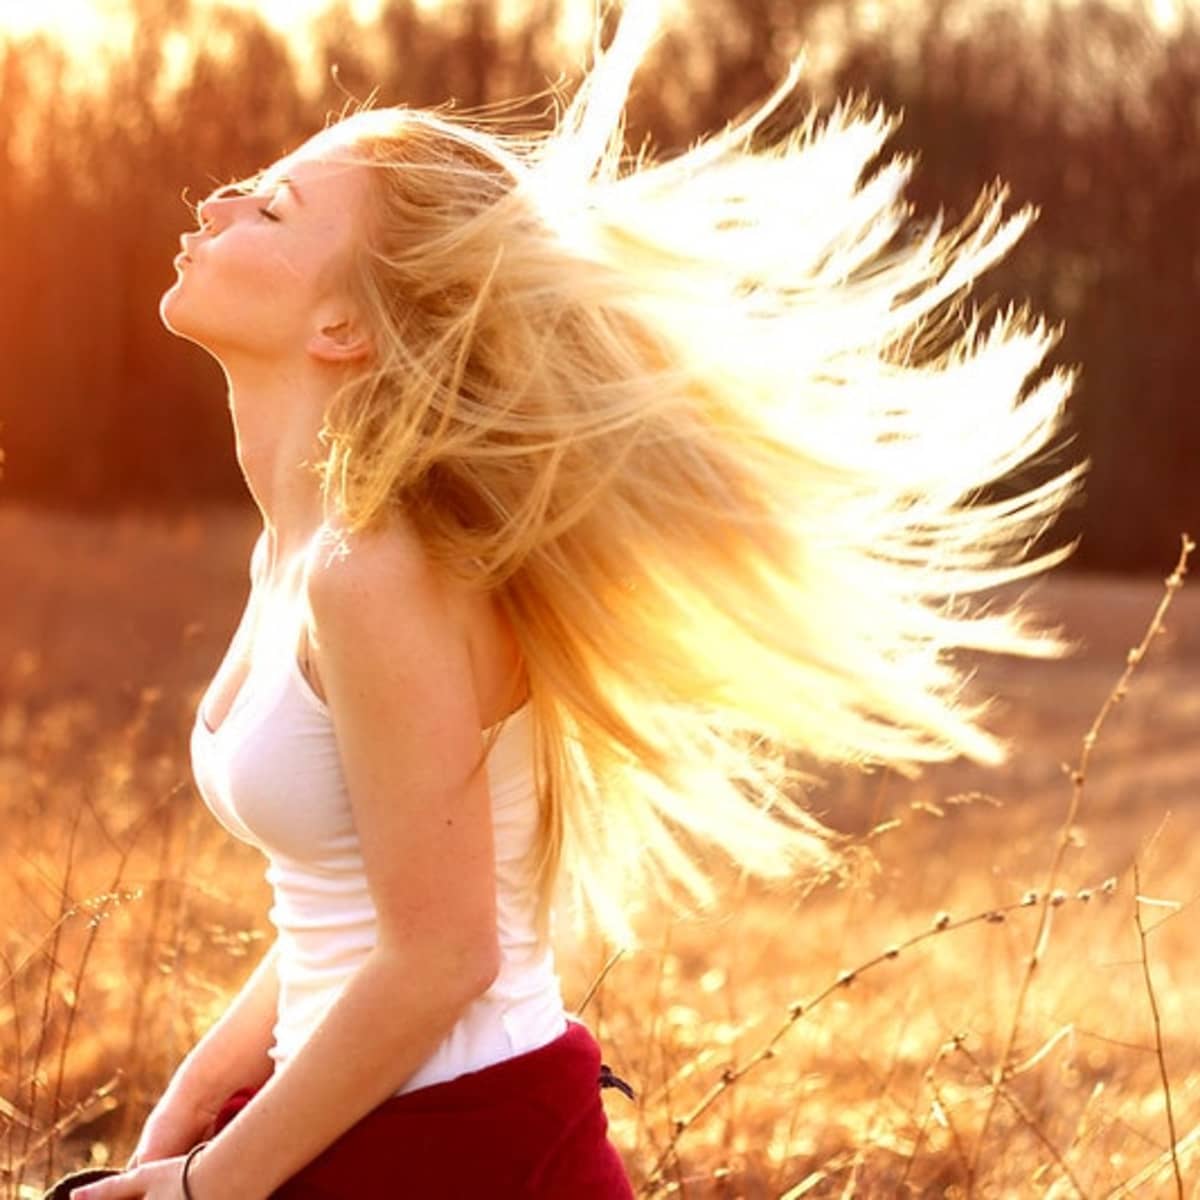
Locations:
1088 112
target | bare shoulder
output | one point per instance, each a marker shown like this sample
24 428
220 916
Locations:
379 583
354 567
383 625
379 593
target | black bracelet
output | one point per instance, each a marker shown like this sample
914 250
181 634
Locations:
187 1162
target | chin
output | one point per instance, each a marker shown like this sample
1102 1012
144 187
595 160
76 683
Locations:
173 315
168 309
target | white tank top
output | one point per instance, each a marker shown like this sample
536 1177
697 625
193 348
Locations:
271 775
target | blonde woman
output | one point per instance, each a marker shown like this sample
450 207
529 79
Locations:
590 493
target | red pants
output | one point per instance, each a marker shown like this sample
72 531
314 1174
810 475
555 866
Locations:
529 1128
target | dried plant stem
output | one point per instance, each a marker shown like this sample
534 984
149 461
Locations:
1158 1042
1026 1117
935 1106
162 813
960 1150
64 909
1078 778
83 1110
877 1114
1133 1185
731 1075
100 910
16 1116
613 959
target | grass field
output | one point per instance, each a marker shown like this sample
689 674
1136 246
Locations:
130 917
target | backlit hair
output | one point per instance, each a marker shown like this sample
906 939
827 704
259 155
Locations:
719 432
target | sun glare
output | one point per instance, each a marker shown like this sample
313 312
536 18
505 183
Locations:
84 25
95 33
74 21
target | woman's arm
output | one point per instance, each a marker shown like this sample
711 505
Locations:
394 661
395 665
232 1054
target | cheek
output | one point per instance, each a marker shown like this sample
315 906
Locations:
259 286
248 296
270 271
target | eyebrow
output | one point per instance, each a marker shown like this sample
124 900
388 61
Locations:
288 181
281 182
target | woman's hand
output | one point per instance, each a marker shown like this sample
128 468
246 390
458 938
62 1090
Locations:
174 1126
161 1180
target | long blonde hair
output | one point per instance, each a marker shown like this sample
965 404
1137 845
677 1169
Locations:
718 432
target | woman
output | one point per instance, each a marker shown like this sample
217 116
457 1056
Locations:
589 496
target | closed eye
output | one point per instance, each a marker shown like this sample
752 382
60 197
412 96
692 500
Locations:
266 212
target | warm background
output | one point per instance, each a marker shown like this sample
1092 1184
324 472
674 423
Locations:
1087 108
126 918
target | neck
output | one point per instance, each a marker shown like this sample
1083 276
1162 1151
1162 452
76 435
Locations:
277 416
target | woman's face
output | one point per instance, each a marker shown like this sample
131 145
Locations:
267 271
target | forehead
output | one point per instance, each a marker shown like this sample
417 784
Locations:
322 164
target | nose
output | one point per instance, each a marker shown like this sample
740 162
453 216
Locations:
210 209
208 212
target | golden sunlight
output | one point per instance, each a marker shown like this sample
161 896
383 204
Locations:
85 25
76 21
93 32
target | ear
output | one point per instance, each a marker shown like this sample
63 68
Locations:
339 341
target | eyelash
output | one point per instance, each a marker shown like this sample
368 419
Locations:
266 212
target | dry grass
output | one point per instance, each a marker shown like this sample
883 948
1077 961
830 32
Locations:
130 916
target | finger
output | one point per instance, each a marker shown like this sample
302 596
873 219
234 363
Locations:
127 1186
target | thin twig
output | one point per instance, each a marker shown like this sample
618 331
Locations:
1025 1116
1078 777
99 1099
942 924
613 959
1130 1186
1158 1042
136 1037
99 912
64 907
947 1112
18 1054
937 1105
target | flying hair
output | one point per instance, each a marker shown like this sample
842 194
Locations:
725 440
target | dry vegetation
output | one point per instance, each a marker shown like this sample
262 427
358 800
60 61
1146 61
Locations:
130 916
